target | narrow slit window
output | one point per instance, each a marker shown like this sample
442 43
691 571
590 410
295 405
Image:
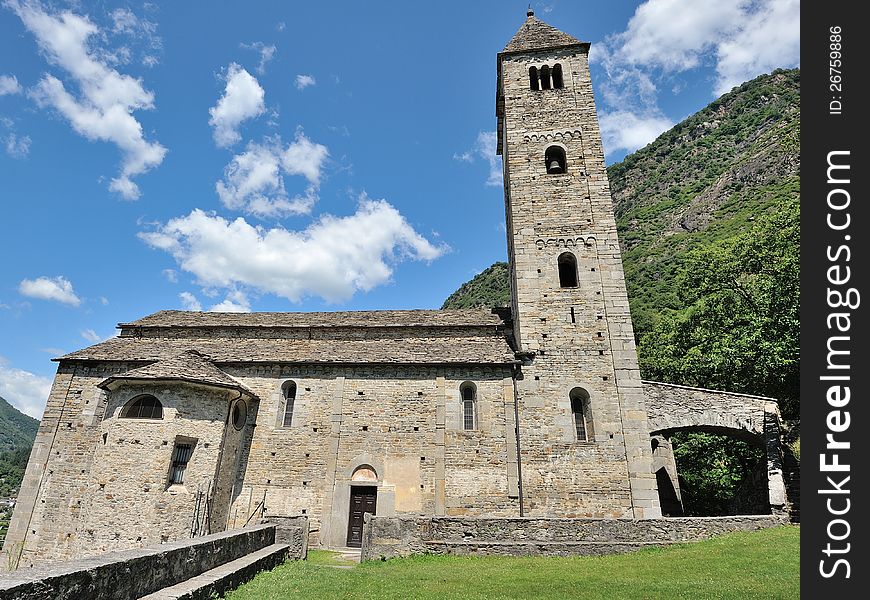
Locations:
469 399
143 407
289 391
557 77
180 458
567 270
533 79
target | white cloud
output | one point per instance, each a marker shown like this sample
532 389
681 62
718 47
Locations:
55 288
242 100
769 39
303 81
91 335
9 85
333 258
235 302
484 147
141 31
189 301
104 301
744 38
281 26
624 130
171 275
254 180
103 110
24 390
673 34
267 53
17 146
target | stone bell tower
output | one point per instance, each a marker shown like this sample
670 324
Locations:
584 437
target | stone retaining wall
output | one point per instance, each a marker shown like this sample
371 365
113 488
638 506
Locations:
133 573
292 531
389 537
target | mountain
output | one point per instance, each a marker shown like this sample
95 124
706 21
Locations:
489 288
17 432
708 217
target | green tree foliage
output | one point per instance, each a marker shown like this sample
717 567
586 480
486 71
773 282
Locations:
488 289
711 468
740 326
17 432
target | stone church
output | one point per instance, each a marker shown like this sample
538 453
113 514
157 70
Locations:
191 422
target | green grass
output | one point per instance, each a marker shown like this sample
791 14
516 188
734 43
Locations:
761 564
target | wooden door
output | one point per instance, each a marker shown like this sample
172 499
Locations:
363 499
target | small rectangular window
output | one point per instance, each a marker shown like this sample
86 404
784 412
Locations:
180 457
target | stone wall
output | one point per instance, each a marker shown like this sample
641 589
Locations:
402 421
292 531
390 537
133 573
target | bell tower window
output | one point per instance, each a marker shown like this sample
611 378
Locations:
545 77
534 85
557 77
555 160
567 270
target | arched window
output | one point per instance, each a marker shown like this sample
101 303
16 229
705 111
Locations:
469 399
143 407
582 417
567 270
545 77
557 77
554 159
240 414
289 392
533 79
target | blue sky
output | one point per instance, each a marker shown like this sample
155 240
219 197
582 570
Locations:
278 156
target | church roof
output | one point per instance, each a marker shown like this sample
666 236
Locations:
534 34
437 348
369 318
188 365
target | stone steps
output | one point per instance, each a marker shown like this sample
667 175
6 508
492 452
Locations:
225 577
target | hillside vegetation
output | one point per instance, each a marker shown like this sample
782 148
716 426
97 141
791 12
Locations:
708 216
17 432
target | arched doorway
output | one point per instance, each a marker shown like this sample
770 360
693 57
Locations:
363 499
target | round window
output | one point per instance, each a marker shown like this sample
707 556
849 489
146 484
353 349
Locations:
240 414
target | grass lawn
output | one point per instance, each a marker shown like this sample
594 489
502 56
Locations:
760 564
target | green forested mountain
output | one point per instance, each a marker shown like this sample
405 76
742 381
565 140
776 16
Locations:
708 216
489 288
17 432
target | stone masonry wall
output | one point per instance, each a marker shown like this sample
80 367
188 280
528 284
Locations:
581 336
403 421
152 568
390 537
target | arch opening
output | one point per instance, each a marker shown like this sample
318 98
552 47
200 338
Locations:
534 84
143 407
468 392
555 160
582 414
567 270
288 390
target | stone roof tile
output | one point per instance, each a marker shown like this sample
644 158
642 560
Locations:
534 34
188 365
372 318
482 349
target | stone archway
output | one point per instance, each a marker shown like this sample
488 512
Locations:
752 418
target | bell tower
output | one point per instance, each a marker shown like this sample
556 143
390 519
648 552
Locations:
585 441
